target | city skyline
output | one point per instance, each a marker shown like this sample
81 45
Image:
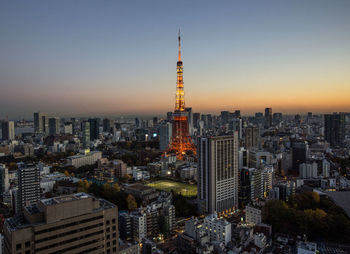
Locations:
89 59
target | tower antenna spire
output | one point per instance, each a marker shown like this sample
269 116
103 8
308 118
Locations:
179 46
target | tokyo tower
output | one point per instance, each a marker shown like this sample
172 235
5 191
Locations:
181 143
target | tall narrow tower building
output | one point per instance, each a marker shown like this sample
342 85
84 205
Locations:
181 142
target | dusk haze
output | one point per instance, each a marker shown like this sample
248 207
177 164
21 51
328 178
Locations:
115 57
174 127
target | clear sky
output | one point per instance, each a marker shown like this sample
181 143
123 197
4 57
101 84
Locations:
109 57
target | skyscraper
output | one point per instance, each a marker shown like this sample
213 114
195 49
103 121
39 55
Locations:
54 125
251 137
334 129
196 119
85 129
94 128
218 173
181 142
8 130
268 117
107 125
28 186
165 131
41 123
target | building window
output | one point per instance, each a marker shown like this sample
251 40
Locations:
27 244
27 251
18 246
113 221
107 222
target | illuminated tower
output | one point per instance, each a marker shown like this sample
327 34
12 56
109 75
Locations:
181 142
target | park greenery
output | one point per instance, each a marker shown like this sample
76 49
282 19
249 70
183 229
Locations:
317 217
109 192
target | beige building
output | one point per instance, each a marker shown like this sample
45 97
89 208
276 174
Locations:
84 159
77 223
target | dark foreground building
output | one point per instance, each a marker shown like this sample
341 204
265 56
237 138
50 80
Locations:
77 223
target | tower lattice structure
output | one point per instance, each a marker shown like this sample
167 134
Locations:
181 143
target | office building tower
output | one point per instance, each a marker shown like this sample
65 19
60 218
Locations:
225 116
169 116
54 126
137 123
251 185
235 124
94 128
190 120
74 126
299 155
334 129
218 173
196 119
268 117
76 223
155 121
326 166
8 130
237 114
41 123
165 132
125 227
252 137
277 117
28 186
209 122
4 180
107 125
85 129
181 143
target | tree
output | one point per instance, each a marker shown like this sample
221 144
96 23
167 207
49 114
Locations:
116 187
66 173
131 202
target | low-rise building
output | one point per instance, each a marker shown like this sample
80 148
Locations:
252 215
87 158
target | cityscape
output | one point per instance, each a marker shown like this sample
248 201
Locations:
226 132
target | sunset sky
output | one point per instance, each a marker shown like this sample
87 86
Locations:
119 57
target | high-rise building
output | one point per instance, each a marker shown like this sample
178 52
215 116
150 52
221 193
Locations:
41 123
4 180
85 129
8 130
28 186
268 117
165 131
107 125
237 114
299 155
252 137
169 116
190 119
218 173
181 142
196 119
76 223
251 185
225 116
94 128
334 129
54 125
